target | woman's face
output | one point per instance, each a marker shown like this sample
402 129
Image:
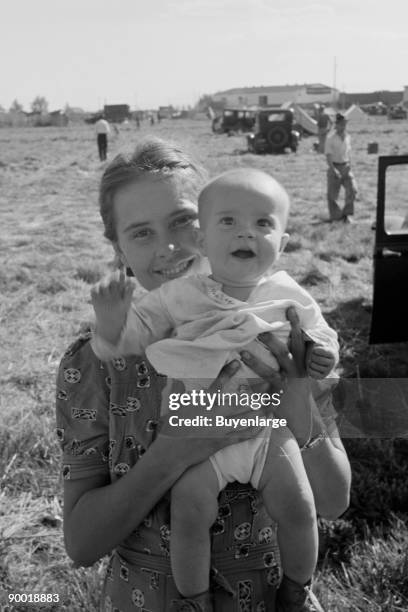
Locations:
155 226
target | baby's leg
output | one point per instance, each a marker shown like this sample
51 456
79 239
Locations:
194 508
288 498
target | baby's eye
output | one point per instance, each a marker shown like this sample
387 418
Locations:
227 220
184 220
265 223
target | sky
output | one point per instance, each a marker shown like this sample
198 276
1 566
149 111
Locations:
147 53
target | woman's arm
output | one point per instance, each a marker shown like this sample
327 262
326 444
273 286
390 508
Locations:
99 515
326 462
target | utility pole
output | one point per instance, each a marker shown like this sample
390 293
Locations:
334 81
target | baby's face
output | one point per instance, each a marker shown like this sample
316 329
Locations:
243 233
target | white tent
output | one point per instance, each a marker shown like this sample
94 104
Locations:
303 118
354 114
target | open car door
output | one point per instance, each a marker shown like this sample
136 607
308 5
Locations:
389 322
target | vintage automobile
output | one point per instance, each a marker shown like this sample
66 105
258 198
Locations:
274 132
234 120
397 112
389 321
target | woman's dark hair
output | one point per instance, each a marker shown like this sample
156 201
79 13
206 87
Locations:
151 157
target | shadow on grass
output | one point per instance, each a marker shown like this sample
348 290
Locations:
352 320
377 452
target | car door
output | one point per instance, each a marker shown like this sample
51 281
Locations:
389 322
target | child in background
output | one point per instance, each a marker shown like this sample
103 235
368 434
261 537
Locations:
190 328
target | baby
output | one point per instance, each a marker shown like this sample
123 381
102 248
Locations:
190 327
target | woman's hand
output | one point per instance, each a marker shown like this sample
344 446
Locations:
290 359
297 404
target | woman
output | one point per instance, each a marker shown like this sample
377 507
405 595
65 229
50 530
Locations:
120 460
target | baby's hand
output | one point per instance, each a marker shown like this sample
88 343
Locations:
319 361
111 300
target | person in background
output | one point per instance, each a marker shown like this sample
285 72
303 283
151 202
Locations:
102 130
323 126
338 155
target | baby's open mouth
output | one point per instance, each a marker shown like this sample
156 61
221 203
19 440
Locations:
243 253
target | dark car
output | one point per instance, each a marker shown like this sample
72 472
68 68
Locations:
274 132
389 322
234 120
397 112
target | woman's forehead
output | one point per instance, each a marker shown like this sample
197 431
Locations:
149 200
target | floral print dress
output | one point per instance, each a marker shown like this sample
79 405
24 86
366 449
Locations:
107 416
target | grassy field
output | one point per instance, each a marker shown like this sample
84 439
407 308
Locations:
52 250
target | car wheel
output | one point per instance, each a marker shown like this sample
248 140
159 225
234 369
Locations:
278 137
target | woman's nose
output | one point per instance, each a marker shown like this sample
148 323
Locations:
167 246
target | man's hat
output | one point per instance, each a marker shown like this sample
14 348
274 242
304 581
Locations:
340 117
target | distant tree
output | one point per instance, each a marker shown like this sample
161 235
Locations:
2 108
39 105
205 101
16 107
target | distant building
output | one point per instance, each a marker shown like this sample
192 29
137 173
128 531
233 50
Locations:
58 118
165 112
116 113
275 95
388 98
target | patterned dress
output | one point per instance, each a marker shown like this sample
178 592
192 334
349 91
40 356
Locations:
107 416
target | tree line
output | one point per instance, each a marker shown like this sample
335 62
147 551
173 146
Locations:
38 105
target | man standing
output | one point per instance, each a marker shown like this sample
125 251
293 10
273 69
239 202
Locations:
338 154
102 130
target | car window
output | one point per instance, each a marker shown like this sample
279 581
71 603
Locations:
276 117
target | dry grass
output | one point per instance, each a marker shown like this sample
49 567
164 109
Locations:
52 250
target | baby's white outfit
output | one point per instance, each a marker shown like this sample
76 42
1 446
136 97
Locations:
189 329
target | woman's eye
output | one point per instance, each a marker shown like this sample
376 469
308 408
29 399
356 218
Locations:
143 233
227 220
184 220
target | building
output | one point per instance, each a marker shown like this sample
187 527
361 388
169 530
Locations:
275 95
116 113
165 112
389 98
58 118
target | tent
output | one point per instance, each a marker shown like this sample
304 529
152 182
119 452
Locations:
354 114
308 124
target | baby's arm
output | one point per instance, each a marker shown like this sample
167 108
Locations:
322 347
124 328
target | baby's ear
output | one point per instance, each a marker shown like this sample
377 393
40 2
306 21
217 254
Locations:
284 242
199 236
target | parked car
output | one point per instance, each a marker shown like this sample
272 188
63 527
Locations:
234 120
389 321
397 112
274 132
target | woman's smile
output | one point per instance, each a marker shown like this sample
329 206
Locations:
173 270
